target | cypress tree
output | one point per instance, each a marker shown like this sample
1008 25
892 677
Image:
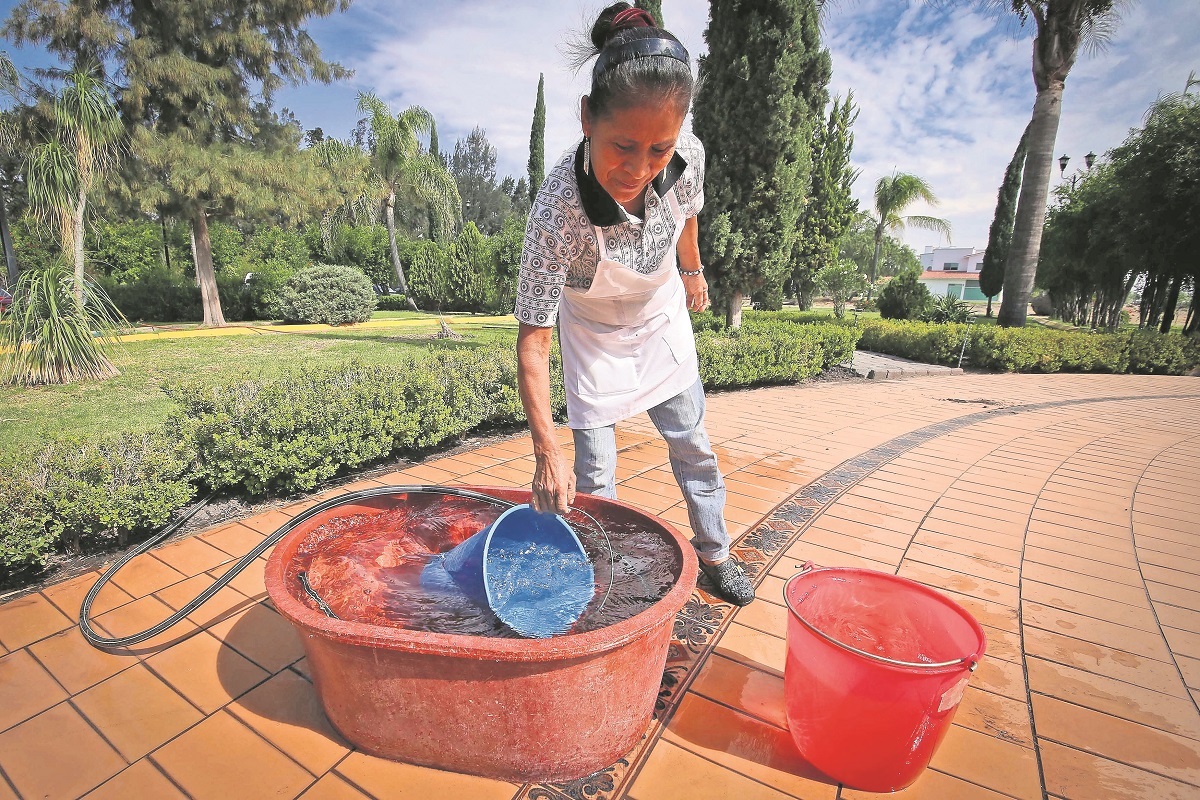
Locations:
991 272
537 142
435 148
831 207
762 92
655 9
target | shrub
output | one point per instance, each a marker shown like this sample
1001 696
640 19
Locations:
1034 349
904 297
947 309
771 351
290 433
79 493
158 295
332 295
391 302
840 282
469 274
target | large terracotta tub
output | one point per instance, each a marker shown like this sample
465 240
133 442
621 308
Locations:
509 708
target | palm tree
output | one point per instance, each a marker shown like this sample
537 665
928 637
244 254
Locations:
62 171
1062 26
10 84
402 167
348 168
893 195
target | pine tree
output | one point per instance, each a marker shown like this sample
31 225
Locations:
991 272
537 142
655 9
762 93
831 207
197 81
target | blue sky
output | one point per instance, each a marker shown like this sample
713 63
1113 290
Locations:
945 89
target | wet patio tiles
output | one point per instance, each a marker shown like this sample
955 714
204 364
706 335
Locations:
1101 567
986 551
1104 735
1112 551
673 773
238 763
425 474
1114 697
745 745
1104 660
990 762
1149 644
1138 615
137 711
950 580
1076 775
995 715
145 575
852 545
28 619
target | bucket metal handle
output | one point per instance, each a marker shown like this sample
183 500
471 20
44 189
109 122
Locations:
808 567
612 557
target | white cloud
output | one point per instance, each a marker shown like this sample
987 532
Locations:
944 91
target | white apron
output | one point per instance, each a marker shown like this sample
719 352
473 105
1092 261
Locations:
627 342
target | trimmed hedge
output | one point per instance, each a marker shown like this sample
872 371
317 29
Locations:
1034 349
292 432
87 493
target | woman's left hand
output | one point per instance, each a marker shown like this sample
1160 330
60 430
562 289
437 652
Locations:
696 289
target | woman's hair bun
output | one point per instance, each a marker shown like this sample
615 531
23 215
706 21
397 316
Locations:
616 18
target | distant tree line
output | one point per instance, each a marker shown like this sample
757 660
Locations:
1131 224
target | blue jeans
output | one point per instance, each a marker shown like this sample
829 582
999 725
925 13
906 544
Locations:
680 420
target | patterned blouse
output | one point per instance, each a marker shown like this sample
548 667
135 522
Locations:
560 241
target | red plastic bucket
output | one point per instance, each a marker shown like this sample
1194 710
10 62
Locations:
876 667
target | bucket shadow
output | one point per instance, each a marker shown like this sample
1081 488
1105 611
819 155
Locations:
738 738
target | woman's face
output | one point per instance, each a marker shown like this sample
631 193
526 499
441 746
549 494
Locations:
631 145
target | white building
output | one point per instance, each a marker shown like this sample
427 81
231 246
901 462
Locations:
952 271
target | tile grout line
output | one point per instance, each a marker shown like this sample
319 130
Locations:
1141 572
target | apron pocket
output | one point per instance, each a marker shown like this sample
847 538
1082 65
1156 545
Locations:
607 375
680 339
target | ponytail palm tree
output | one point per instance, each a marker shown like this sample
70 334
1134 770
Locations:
893 195
62 171
401 167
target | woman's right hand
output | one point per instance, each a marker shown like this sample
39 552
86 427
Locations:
553 483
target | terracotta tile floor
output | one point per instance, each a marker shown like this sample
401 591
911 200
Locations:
1059 510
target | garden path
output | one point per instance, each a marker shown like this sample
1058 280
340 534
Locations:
1059 509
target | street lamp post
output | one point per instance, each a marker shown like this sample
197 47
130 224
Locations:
1064 159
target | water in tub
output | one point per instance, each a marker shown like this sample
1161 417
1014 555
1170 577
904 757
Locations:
367 567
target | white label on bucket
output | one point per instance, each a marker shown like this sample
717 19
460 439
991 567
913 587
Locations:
953 695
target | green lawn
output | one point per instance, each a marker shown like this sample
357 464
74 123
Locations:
134 399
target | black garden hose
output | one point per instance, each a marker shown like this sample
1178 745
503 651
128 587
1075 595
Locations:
98 640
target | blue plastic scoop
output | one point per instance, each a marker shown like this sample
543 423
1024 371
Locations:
529 568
